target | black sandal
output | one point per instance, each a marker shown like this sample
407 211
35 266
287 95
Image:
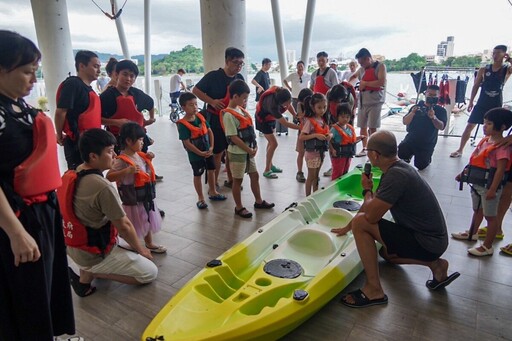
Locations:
264 204
81 289
243 213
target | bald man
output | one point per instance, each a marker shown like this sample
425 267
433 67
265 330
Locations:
418 234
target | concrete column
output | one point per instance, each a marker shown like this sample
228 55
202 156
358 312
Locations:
54 41
308 31
120 31
278 29
223 24
147 46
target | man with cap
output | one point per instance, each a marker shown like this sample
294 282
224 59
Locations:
372 94
334 65
417 235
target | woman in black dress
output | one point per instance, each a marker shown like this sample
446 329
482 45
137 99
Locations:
35 295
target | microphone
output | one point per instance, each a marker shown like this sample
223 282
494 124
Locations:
367 169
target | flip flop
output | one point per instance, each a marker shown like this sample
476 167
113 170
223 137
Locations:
361 154
81 289
158 249
276 169
270 175
482 233
201 204
507 249
217 197
455 154
241 213
434 284
361 301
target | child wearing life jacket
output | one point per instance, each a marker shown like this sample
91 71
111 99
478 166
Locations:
135 177
486 174
299 147
197 137
315 135
242 147
342 147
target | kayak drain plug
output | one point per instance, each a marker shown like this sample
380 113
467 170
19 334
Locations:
214 263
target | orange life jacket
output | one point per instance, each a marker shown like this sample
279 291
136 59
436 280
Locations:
370 74
126 108
39 173
246 129
93 240
261 115
347 146
225 101
143 188
90 118
316 144
198 135
479 170
320 85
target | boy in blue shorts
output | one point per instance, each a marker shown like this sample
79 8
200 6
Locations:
486 174
197 138
242 147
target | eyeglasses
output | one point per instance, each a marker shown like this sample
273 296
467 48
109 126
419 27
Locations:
238 62
373 150
300 79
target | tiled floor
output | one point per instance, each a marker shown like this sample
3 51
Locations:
476 306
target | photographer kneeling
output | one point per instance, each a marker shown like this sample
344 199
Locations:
423 123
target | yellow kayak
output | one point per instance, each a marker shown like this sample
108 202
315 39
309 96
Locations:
267 285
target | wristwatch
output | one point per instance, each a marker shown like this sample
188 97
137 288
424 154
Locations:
366 191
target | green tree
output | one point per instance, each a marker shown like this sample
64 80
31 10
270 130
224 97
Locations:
189 58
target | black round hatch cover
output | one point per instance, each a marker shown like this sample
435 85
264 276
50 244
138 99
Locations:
283 268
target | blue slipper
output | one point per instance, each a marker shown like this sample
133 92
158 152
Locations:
201 205
434 284
361 300
217 197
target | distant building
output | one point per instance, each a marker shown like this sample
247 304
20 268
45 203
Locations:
445 48
291 57
432 59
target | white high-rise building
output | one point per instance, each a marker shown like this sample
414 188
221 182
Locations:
445 48
291 57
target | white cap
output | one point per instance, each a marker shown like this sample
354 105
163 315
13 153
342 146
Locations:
333 61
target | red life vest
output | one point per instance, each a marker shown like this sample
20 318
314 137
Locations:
225 101
245 130
320 85
39 173
370 74
143 188
262 116
126 109
316 144
346 148
90 118
479 171
97 241
199 135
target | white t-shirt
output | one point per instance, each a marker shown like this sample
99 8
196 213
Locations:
346 76
296 83
175 83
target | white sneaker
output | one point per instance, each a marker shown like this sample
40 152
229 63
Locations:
464 236
487 251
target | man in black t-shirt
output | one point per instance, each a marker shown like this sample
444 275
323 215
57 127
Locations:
417 235
423 124
212 89
262 79
75 98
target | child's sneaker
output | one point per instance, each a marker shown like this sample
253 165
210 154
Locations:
300 177
464 236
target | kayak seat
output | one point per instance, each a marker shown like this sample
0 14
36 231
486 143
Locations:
311 248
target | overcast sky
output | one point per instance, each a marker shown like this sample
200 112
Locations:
393 28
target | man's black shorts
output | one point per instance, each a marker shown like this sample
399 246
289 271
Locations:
201 165
400 241
478 113
220 141
266 127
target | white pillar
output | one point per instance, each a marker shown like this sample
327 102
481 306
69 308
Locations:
308 31
223 25
147 46
120 31
278 29
54 40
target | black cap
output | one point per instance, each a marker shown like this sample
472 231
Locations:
363 53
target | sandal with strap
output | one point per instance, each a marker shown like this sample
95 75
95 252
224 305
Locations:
157 249
243 213
264 205
81 289
482 233
507 249
455 154
270 175
201 204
